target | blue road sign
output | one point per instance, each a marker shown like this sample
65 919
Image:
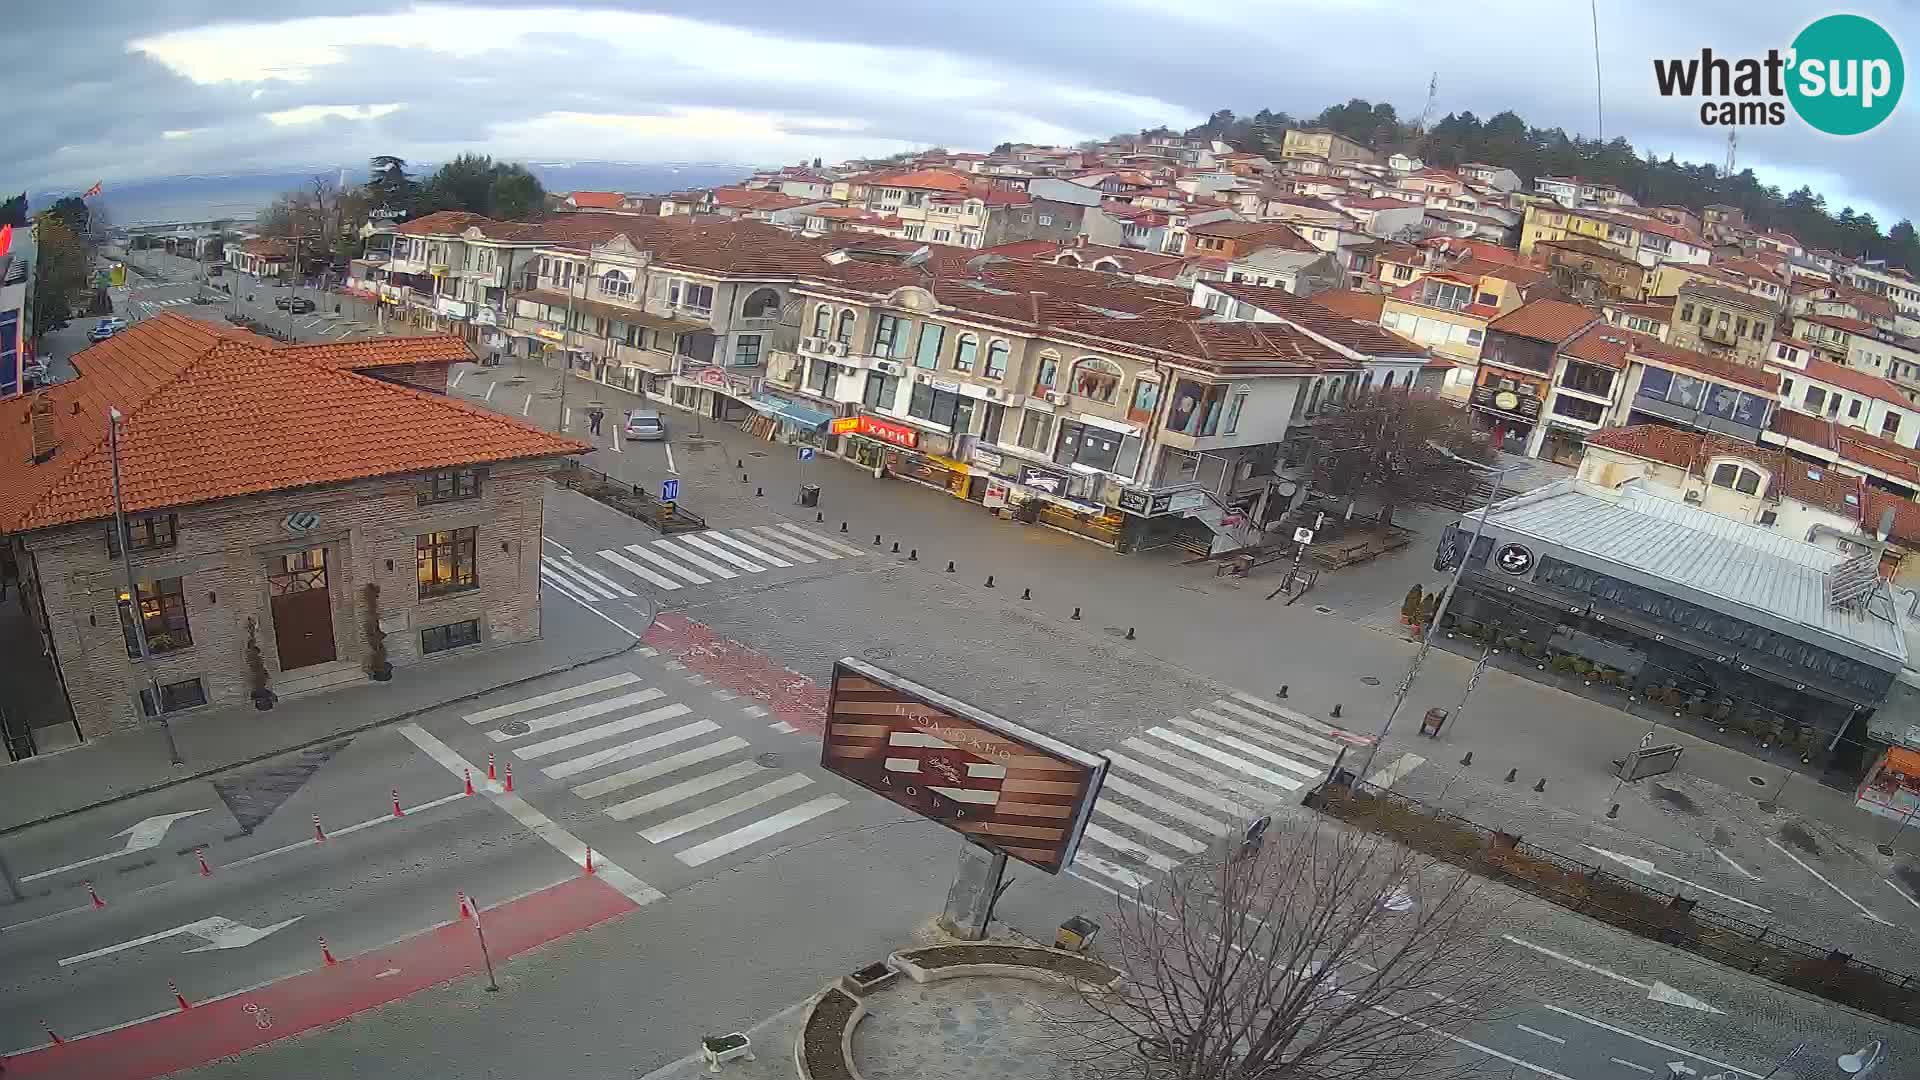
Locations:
806 453
669 490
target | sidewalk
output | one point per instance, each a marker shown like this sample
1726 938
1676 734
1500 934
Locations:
121 766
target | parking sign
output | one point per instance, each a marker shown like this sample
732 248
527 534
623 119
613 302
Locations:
669 490
806 453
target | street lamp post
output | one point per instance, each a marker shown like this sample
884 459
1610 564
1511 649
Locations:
135 614
1446 599
566 354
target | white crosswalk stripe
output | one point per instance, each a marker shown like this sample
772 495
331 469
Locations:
671 564
1191 782
686 784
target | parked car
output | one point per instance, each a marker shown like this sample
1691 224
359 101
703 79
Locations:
299 305
35 375
106 328
643 424
216 270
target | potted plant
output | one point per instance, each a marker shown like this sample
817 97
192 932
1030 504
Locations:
377 665
263 695
1410 607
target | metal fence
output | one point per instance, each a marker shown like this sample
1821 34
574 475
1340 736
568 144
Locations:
630 499
1671 918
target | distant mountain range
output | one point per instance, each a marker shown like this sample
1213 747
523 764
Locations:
240 195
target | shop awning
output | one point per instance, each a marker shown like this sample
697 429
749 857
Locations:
792 412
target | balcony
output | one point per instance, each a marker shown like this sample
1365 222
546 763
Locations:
1508 402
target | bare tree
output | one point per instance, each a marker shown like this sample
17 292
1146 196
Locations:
1380 445
1317 952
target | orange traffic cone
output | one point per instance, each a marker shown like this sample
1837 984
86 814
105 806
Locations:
326 953
178 997
465 912
469 776
509 776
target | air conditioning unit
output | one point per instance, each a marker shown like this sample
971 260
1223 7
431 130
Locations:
812 344
1056 398
993 393
1014 401
889 367
836 348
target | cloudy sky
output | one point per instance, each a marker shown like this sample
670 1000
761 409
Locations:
121 89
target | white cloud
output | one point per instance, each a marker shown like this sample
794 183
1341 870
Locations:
181 133
307 114
727 134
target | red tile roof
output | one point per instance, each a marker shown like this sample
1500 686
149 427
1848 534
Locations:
1841 322
1605 345
1713 367
1264 233
733 198
1906 515
1856 381
597 200
1352 303
442 223
925 180
1378 203
214 413
381 352
1544 320
1311 317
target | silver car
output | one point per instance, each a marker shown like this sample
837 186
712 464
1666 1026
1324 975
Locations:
645 425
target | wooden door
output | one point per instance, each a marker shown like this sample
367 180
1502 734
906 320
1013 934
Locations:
302 610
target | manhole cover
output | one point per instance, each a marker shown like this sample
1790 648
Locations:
878 653
768 761
1370 680
1113 631
756 453
1323 609
514 727
1757 781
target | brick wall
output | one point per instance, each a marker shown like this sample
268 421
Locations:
226 551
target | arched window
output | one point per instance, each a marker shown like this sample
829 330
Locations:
822 321
965 352
1313 399
615 283
1094 378
1109 265
1068 259
997 360
1727 474
1388 384
761 304
1047 375
843 333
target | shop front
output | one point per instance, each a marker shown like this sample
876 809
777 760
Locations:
1508 405
873 443
1056 498
788 420
714 392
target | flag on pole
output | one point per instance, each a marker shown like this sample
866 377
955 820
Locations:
92 191
6 238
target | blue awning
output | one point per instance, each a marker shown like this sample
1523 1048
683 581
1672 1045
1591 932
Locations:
792 412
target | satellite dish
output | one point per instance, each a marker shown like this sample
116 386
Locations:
918 257
981 262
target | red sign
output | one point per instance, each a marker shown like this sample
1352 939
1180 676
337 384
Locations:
844 425
714 377
887 431
1005 786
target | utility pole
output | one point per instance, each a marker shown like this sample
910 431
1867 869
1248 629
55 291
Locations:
135 614
566 355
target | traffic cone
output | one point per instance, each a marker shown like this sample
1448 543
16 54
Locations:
52 1034
490 775
319 834
509 776
465 912
589 860
469 776
397 812
178 996
97 902
205 870
326 953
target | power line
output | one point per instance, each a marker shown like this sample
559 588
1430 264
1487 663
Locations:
1599 110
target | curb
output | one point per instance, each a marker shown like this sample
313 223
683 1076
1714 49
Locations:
409 714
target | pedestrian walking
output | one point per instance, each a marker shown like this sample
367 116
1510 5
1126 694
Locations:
594 416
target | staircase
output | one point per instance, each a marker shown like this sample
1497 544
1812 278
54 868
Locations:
317 677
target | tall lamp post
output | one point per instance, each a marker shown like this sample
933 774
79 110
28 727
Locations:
566 349
135 614
1446 599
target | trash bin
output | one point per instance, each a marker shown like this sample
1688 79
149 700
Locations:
809 494
1075 934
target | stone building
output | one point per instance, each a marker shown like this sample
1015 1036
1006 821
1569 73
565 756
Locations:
272 494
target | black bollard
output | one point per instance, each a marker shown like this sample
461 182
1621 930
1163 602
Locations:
1613 811
876 539
1026 594
989 581
843 526
759 492
1511 773
739 463
913 555
1129 633
743 478
1336 710
819 515
896 547
1540 784
1468 760
1283 691
949 566
1076 614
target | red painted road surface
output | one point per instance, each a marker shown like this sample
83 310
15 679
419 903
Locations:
326 995
730 665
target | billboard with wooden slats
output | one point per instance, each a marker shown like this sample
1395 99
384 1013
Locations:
1006 787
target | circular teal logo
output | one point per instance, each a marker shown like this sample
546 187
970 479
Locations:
1847 74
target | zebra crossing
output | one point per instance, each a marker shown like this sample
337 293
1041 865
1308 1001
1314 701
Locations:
1179 787
670 564
687 784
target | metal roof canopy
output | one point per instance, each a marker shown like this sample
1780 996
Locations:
1744 571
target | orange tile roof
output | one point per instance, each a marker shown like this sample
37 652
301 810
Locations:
442 223
1648 348
1359 336
381 352
748 199
214 413
1860 382
598 200
1605 344
1352 303
925 180
1906 514
1544 320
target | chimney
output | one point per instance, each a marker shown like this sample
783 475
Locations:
45 440
1080 240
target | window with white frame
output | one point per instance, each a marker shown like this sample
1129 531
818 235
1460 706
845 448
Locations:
942 236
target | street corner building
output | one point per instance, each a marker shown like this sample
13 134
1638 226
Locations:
305 498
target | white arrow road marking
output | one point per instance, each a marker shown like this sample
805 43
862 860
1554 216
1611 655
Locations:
218 931
1645 866
1656 990
140 836
1631 1065
1823 880
1744 872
